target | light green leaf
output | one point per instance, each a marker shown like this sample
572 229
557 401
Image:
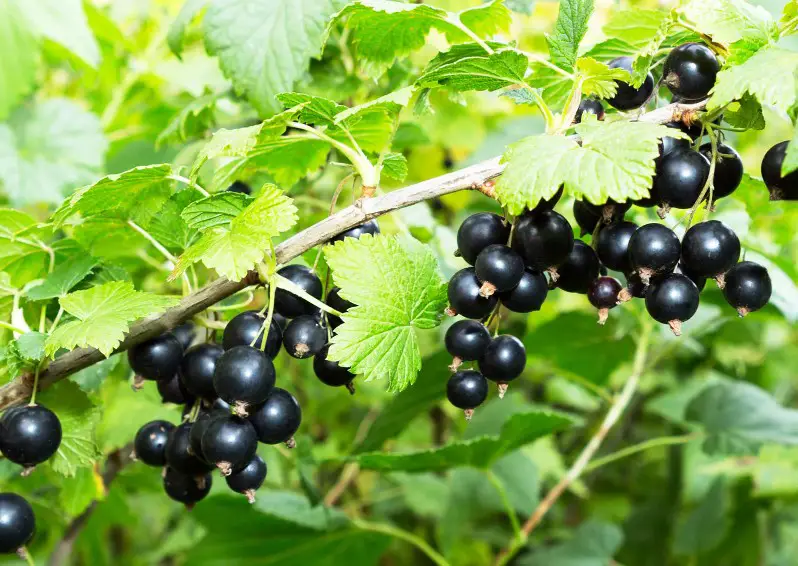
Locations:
103 315
316 110
216 210
397 287
790 11
31 346
391 103
729 21
168 226
746 113
637 27
554 87
63 278
17 73
790 163
64 22
192 121
23 354
177 31
395 166
569 30
593 544
521 6
90 378
23 247
483 72
78 492
646 53
486 20
705 526
598 79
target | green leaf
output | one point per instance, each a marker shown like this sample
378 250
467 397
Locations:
486 20
521 6
395 166
598 79
64 22
168 226
705 526
17 73
790 163
483 72
614 161
264 46
77 493
90 378
554 87
481 452
593 544
739 417
746 113
316 110
177 31
636 27
646 53
192 121
23 253
397 287
216 210
569 30
31 346
23 354
103 315
729 21
235 249
63 278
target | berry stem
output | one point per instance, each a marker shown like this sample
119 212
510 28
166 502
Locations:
404 535
710 183
163 251
12 328
508 506
25 555
641 447
35 384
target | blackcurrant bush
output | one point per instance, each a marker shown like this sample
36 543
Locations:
185 333
466 341
499 268
370 227
544 240
464 296
672 300
332 373
244 376
336 301
504 360
186 488
246 327
780 188
17 522
589 106
173 391
150 443
710 249
628 97
585 218
748 287
304 337
479 231
528 295
156 359
467 390
179 455
277 419
728 169
690 71
581 267
654 249
29 435
604 294
197 369
609 212
229 442
681 176
239 187
288 304
612 246
249 478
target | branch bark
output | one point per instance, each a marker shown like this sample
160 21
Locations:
476 177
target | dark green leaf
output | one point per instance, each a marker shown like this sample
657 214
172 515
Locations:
63 278
593 544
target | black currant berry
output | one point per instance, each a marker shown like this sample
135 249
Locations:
244 376
197 369
246 327
249 478
690 71
728 169
304 337
609 212
179 455
699 281
185 488
332 373
499 268
544 240
528 295
654 249
589 106
156 359
612 246
748 287
603 293
780 188
230 443
277 419
239 187
173 391
17 522
628 97
710 249
370 227
150 443
464 297
29 435
198 429
681 176
288 304
466 341
185 333
336 301
671 300
668 144
467 390
504 360
635 288
585 218
479 231
548 204
581 267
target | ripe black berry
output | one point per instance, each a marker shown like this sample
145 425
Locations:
634 288
728 170
612 246
681 176
586 219
710 249
669 143
29 435
198 429
654 249
156 359
150 442
699 281
672 300
464 297
628 97
304 337
467 390
690 71
466 341
248 479
499 268
780 188
479 231
17 522
197 369
277 419
543 239
179 455
173 391
245 327
288 304
748 287
185 488
581 267
589 106
528 295
504 360
244 376
603 293
332 373
229 442
239 187
185 333
370 227
340 304
609 212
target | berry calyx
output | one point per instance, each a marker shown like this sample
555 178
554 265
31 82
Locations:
709 249
780 187
479 231
628 97
668 144
635 288
544 240
179 455
29 435
528 295
150 443
370 227
586 219
197 369
589 106
467 390
690 71
681 177
504 360
156 359
654 249
17 522
288 304
466 341
173 391
244 376
332 373
186 489
579 269
277 419
748 287
603 293
230 443
612 246
336 301
465 298
672 300
246 327
304 337
248 479
499 268
728 169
